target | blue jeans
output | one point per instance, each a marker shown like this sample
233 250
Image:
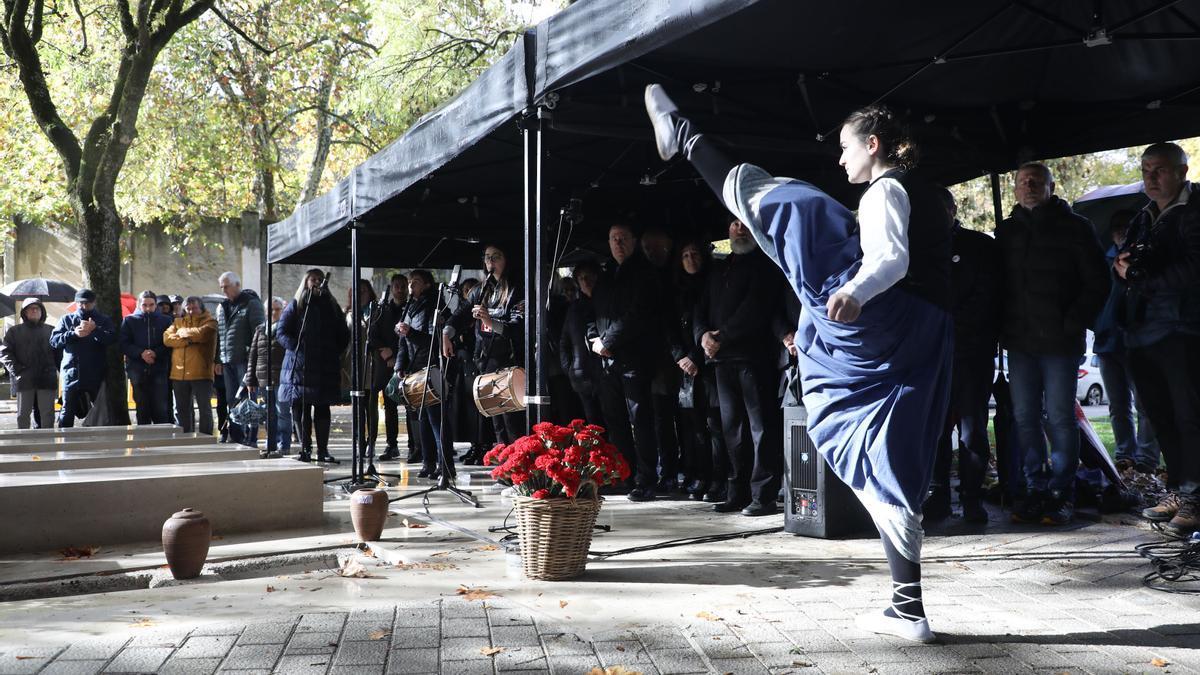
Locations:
279 425
1046 383
431 426
1142 447
233 374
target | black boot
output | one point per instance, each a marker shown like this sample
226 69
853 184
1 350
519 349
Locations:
937 505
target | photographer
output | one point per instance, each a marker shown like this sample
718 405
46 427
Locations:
1160 268
314 334
84 336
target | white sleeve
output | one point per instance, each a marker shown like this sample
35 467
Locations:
883 216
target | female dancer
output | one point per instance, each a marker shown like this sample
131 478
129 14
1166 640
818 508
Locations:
875 340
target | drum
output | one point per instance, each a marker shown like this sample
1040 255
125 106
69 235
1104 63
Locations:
423 388
500 392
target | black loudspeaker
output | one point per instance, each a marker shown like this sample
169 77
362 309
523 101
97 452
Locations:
816 502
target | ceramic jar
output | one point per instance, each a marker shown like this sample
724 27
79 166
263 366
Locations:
185 539
368 512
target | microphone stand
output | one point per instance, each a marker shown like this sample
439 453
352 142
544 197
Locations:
369 471
443 484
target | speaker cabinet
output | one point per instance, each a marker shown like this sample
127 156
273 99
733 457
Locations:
817 503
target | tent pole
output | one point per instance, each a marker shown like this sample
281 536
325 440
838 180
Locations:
534 289
270 397
355 363
997 202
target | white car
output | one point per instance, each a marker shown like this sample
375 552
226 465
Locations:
1090 387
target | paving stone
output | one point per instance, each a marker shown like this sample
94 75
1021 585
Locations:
362 630
417 616
468 667
572 665
357 670
220 629
515 636
464 649
463 610
266 633
412 661
566 644
253 656
520 658
415 637
1003 664
509 617
322 623
304 664
303 640
385 615
728 648
622 652
465 627
749 666
361 653
175 666
61 667
678 661
206 646
168 638
92 650
816 641
664 638
139 660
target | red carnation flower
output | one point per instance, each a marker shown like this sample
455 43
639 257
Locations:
541 494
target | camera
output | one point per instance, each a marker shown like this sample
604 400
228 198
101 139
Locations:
1143 261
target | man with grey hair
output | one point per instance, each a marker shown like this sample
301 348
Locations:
238 316
734 326
1159 266
1054 283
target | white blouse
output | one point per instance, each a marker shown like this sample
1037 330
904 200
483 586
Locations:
883 214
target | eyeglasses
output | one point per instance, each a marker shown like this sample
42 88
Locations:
493 257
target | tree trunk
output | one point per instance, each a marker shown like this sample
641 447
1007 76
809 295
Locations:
100 230
324 138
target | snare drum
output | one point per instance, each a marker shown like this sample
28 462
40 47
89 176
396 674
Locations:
500 392
422 388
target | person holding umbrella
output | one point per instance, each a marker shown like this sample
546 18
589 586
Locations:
33 365
84 336
147 359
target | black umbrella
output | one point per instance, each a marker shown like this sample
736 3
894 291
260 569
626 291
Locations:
8 306
1103 204
46 290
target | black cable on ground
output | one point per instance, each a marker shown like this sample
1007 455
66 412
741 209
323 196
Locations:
687 541
1176 566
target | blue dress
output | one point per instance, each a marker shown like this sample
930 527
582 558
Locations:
877 389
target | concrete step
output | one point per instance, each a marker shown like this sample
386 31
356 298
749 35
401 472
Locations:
55 432
49 510
57 460
26 446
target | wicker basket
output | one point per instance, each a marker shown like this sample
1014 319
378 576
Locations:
555 535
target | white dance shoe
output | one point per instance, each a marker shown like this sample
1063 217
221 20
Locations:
661 109
916 631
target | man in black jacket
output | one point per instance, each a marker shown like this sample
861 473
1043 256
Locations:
581 365
734 327
415 329
388 343
626 335
1160 268
1055 283
975 277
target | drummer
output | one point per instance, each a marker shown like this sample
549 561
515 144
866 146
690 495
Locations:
497 309
416 329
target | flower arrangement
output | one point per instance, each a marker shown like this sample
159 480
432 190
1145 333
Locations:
556 461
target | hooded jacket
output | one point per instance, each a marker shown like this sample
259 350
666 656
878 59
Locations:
260 356
192 340
1054 279
236 321
139 332
27 354
84 362
311 368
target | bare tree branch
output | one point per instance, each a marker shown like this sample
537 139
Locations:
82 26
225 20
35 35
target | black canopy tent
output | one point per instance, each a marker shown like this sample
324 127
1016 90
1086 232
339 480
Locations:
986 85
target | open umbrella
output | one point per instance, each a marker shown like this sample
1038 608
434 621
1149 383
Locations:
129 305
1103 203
8 306
46 290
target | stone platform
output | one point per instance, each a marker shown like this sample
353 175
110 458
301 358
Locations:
46 510
26 446
80 432
57 460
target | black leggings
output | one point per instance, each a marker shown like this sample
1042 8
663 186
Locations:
305 415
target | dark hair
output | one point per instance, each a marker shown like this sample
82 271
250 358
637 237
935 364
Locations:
149 294
701 245
895 142
397 275
1121 219
1171 151
585 266
468 284
423 275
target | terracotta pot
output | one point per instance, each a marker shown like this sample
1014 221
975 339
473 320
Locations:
368 512
185 538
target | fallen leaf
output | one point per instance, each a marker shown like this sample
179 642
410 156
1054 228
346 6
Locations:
480 593
802 664
143 623
490 651
36 458
23 658
354 569
709 616
382 485
76 553
1160 663
414 526
217 537
562 603
488 547
439 554
435 566
379 634
620 648
613 670
270 589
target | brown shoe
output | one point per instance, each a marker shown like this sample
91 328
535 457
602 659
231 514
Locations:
1165 510
1186 520
1124 465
